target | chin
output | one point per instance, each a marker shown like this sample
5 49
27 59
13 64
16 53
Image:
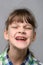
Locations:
23 47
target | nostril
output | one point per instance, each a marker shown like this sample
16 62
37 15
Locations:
22 32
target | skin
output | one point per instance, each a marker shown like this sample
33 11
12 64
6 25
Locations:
19 47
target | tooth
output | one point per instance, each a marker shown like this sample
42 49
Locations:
20 38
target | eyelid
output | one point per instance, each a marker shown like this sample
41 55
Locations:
15 26
27 27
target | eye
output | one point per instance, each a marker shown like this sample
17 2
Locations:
14 26
29 28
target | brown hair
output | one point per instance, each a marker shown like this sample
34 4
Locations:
19 15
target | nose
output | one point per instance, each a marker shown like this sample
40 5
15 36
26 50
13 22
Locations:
22 31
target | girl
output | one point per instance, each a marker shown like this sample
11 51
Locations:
20 33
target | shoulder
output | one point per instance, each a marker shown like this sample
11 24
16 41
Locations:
1 59
33 61
2 55
36 62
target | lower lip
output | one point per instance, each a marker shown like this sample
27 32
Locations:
21 40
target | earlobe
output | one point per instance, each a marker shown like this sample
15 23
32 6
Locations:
6 34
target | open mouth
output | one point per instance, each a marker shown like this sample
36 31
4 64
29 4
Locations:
21 38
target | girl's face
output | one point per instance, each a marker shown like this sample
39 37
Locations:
20 35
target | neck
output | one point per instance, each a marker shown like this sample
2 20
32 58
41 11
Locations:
17 55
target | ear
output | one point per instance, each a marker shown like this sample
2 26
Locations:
34 36
6 34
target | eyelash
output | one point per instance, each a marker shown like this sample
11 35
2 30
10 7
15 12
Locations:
14 27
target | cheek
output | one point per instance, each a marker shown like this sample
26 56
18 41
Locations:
11 33
30 37
30 34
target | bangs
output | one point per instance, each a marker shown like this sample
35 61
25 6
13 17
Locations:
20 19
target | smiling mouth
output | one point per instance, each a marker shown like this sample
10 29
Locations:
21 38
